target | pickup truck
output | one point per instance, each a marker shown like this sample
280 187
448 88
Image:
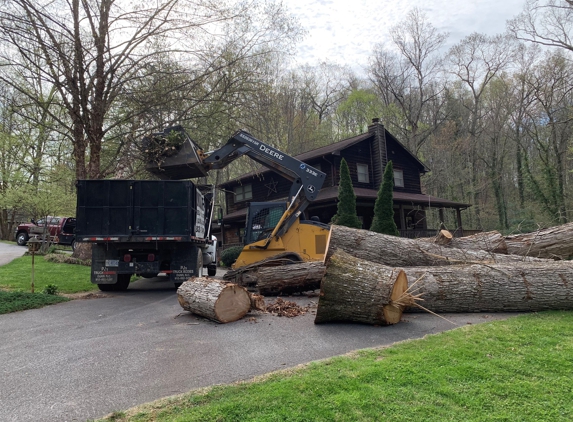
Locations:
60 229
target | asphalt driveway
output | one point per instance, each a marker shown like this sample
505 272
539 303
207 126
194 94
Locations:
8 252
86 358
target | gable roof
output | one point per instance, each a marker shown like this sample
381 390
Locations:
334 148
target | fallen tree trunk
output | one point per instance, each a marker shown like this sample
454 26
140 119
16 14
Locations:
359 291
401 252
285 279
487 241
213 299
552 243
528 286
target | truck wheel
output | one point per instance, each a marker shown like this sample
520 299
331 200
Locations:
122 282
212 270
177 285
22 238
106 287
73 245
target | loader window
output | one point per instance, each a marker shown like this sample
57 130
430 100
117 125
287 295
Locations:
261 221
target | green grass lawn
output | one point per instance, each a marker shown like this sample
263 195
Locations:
16 277
520 369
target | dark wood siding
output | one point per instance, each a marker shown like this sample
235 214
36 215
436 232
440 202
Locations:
360 153
402 160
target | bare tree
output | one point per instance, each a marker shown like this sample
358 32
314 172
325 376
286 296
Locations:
90 49
548 23
410 79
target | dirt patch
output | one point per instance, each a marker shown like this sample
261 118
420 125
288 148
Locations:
86 295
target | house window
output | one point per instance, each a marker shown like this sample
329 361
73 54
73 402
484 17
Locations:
243 193
362 170
399 178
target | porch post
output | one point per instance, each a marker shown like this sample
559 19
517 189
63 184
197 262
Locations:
459 216
402 218
441 216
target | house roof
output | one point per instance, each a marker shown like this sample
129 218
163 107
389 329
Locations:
330 193
329 150
318 152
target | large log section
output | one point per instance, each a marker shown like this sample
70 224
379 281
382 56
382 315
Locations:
219 301
554 243
494 288
285 279
400 252
359 291
487 241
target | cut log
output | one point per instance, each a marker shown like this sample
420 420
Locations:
401 252
494 288
487 241
257 302
552 243
285 279
360 291
213 299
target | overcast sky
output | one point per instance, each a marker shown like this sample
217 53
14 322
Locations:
345 31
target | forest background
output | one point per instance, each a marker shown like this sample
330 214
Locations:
82 81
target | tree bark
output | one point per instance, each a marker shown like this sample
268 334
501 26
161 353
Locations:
359 291
213 299
285 279
552 243
528 286
401 252
487 241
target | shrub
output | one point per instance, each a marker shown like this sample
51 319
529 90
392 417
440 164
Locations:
51 289
346 211
383 221
230 255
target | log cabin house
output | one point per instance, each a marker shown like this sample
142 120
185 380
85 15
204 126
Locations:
366 155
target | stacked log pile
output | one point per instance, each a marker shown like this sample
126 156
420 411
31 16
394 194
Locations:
372 278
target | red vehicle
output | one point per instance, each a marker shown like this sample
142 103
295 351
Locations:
60 229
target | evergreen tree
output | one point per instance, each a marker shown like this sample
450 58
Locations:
383 221
346 211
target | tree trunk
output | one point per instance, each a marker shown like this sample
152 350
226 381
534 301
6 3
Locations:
359 291
488 241
285 279
528 286
219 301
553 243
401 252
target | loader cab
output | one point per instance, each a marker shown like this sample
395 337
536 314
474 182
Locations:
262 218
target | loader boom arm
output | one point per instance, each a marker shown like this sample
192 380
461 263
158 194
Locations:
306 180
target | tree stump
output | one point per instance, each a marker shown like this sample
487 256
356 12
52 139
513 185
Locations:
360 291
213 299
285 279
401 252
494 288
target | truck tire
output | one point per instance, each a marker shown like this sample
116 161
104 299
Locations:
73 245
212 270
22 238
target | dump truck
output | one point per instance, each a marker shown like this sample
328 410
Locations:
144 228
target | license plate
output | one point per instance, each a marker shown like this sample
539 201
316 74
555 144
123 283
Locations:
112 262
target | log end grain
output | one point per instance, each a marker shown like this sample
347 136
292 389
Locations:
233 303
393 311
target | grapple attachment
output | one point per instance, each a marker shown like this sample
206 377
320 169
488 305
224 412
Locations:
173 155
